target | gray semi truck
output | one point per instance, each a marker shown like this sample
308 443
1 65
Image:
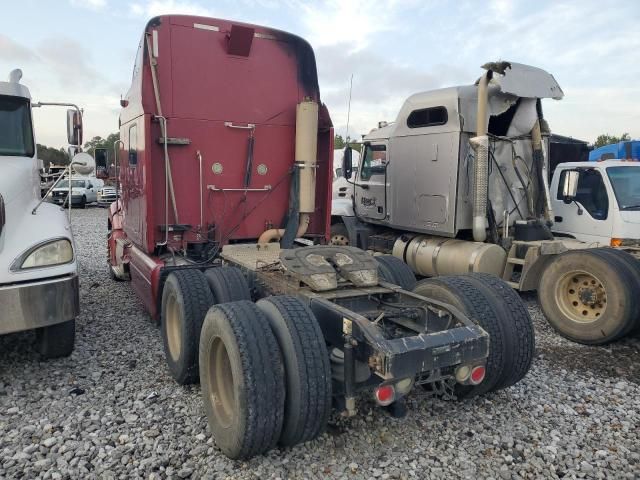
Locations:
458 183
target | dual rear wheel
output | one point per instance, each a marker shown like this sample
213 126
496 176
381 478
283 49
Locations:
497 308
263 367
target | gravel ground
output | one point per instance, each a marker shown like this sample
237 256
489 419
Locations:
112 411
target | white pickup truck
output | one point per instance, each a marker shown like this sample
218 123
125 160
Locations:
84 190
603 204
38 268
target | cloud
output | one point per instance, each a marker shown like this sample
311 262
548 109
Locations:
152 8
90 4
380 85
349 22
70 61
11 51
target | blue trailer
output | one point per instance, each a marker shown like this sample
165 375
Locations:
627 150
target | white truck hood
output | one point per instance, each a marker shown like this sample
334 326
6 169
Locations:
22 230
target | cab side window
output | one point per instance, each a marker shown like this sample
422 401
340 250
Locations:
592 193
374 161
133 145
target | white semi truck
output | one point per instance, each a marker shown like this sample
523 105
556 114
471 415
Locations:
38 269
458 183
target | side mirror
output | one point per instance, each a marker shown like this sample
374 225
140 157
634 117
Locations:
570 185
347 163
72 151
74 127
89 186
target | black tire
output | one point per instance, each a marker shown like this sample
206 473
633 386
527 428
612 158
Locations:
632 265
185 300
227 284
395 271
83 203
508 361
521 342
339 234
306 365
609 319
242 379
57 340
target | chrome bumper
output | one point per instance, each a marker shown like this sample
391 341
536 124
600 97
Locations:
38 304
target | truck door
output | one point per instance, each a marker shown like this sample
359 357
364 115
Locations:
589 218
371 182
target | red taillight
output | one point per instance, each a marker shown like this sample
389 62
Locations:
385 395
477 374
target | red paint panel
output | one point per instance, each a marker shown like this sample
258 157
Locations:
145 274
210 84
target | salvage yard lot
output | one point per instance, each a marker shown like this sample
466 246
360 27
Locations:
111 410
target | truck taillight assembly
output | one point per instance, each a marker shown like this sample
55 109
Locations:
477 375
468 374
385 395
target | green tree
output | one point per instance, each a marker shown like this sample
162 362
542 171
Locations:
606 139
52 155
99 142
339 143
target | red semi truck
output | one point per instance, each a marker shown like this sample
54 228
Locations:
226 169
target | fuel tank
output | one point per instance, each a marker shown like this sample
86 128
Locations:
433 256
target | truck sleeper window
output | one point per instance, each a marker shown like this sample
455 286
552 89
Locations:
374 161
427 117
16 135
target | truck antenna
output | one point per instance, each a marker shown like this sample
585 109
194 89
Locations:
349 107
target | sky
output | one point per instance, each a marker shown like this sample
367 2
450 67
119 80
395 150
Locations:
82 51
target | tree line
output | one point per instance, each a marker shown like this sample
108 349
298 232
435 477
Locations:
60 156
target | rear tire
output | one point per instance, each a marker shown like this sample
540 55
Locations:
510 353
227 284
588 296
306 365
242 379
632 265
395 271
57 340
185 300
521 343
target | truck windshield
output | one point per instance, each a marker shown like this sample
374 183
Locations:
74 184
16 135
626 186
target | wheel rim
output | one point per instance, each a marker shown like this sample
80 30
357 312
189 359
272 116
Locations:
173 330
339 239
581 297
220 379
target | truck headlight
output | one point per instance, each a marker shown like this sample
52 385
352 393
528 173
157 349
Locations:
47 254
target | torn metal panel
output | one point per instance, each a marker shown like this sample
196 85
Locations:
527 81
